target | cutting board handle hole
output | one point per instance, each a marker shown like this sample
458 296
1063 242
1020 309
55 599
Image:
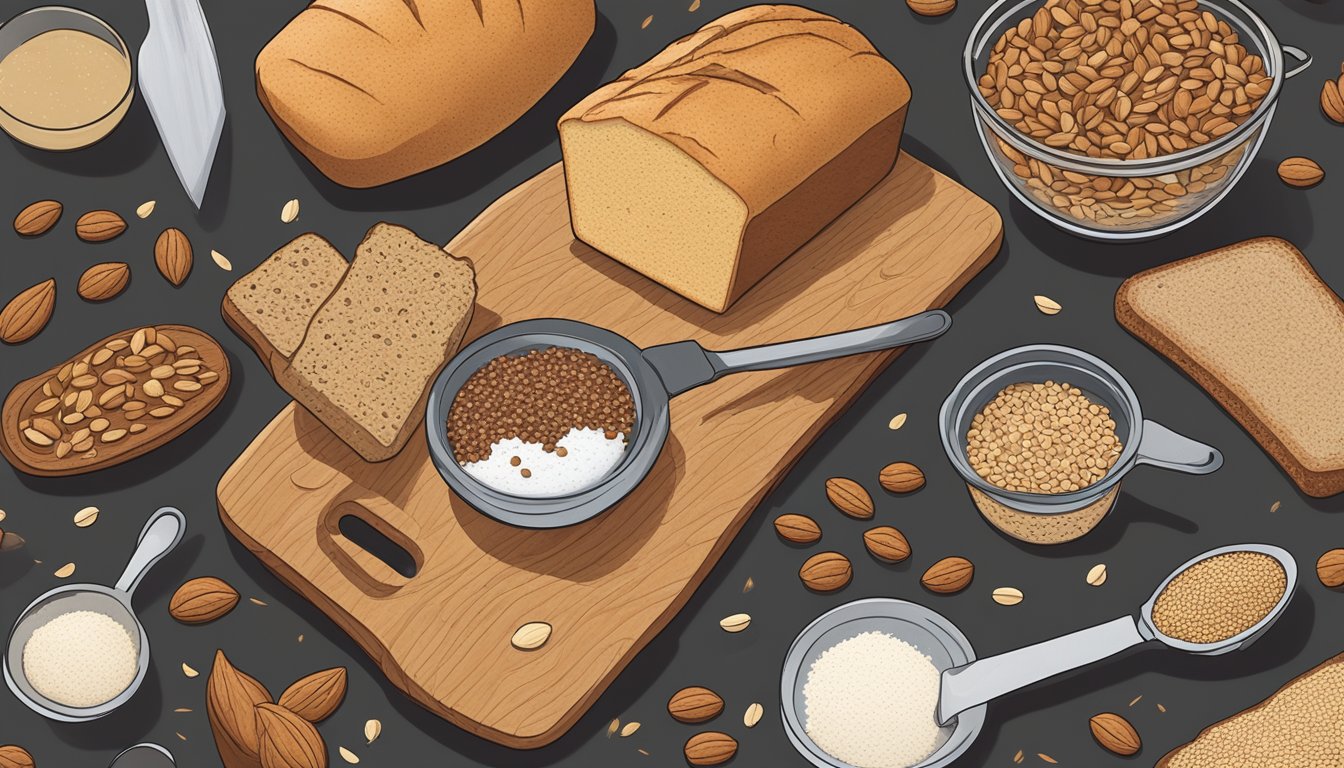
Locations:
373 541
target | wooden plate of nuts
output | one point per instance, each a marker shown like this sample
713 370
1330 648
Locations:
117 399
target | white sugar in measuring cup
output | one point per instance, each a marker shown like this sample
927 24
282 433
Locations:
969 684
161 533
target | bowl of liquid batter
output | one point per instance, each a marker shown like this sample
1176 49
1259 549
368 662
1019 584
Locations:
66 78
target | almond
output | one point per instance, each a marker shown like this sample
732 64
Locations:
826 572
202 600
949 575
172 255
27 314
104 281
694 705
901 477
1332 99
849 497
1300 172
316 696
37 218
710 748
287 740
99 226
1114 733
1330 568
231 700
799 529
886 544
13 756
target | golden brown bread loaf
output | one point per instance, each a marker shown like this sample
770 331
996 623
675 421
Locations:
372 91
706 166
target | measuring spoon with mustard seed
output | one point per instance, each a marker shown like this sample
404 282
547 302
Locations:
970 685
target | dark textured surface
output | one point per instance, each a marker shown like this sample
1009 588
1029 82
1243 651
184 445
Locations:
1160 520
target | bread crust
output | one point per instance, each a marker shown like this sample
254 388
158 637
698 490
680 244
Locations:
1312 482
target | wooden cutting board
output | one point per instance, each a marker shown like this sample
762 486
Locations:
610 585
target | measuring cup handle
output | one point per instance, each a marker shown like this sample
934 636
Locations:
898 333
1303 59
163 531
982 681
1161 447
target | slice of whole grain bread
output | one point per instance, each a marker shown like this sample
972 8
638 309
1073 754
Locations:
271 306
1257 328
375 345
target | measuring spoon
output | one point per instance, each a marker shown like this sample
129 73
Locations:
161 533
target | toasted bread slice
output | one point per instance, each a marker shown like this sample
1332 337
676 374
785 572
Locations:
1256 327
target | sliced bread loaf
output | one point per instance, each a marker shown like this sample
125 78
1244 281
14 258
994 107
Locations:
271 306
1256 327
374 347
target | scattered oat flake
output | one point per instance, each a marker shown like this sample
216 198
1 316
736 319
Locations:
372 730
180 710
1047 305
221 262
643 751
735 623
2 515
1161 708
180 736
1136 700
255 601
188 671
300 638
290 212
647 21
897 421
748 586
1047 758
65 571
86 517
695 6
753 714
348 756
1007 595
1275 506
629 729
145 209
1097 575
1018 757
614 727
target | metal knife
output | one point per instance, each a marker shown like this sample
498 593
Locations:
179 77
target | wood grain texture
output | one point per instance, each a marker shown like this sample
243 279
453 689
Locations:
610 585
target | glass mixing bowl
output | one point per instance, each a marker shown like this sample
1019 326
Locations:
1123 199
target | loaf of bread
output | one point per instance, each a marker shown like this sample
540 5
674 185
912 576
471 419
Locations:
373 348
1300 726
271 306
372 91
706 166
1256 327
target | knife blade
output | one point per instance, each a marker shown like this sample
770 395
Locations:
179 77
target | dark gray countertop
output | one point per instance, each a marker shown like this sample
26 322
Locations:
1162 518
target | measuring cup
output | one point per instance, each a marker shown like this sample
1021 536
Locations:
145 755
1045 518
969 684
158 537
653 375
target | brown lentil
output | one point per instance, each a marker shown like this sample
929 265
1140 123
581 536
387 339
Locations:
1220 597
1042 438
537 397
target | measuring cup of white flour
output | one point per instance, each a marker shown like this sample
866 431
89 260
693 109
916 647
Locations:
78 652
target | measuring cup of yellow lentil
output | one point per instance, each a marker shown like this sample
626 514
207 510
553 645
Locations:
1043 435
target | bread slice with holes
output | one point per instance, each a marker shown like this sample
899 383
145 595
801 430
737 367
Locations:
1258 329
271 306
375 345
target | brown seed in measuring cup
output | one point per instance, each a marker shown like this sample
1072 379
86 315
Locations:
545 423
1042 438
1220 597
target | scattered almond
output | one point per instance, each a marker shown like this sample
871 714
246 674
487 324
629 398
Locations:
531 636
172 255
753 714
1332 99
1097 575
850 498
1300 172
897 421
86 517
826 572
694 705
1115 734
1007 595
27 314
104 281
287 740
1330 568
221 262
188 670
799 529
710 748
932 7
99 226
290 212
145 209
901 477
14 756
949 575
629 729
886 544
1046 305
316 696
348 756
65 571
735 623
38 218
372 729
